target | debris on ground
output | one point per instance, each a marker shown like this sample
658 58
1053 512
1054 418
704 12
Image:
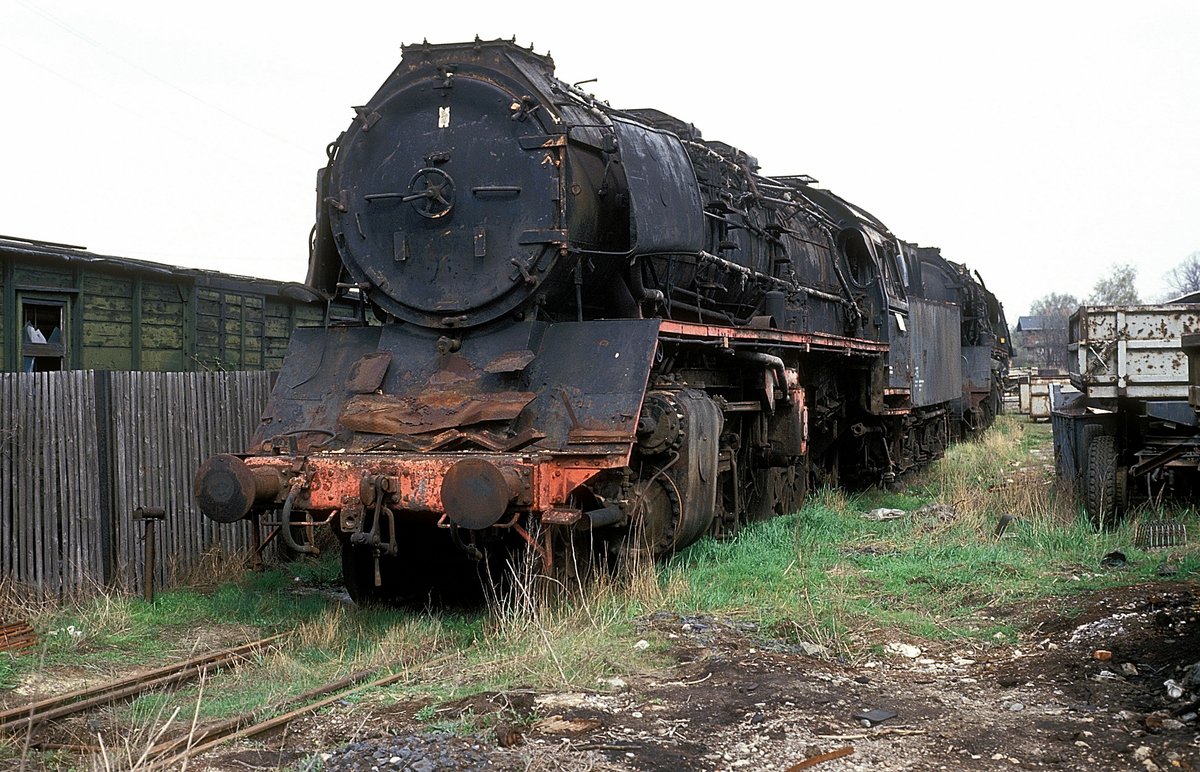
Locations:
735 700
884 513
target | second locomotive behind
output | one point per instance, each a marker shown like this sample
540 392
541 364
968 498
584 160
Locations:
588 325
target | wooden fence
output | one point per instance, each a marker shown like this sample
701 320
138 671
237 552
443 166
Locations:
81 450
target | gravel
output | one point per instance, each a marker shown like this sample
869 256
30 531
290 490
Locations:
411 753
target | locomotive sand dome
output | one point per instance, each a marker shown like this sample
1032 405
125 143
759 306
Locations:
593 333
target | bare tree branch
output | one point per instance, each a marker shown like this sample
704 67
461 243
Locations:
1184 278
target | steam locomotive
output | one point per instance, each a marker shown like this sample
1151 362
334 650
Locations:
589 331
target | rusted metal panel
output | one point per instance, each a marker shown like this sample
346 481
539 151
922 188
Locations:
430 411
509 362
1132 351
367 373
532 380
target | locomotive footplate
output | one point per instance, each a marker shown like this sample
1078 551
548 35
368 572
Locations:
807 341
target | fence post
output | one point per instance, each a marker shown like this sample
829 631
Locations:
149 516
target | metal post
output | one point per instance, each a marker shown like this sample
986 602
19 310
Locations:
256 562
149 515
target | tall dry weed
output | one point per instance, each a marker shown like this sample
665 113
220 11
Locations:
412 641
92 620
324 631
572 623
210 569
21 603
997 475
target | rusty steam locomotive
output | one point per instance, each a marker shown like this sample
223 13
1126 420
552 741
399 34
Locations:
583 324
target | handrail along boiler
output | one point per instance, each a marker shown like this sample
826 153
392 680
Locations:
592 323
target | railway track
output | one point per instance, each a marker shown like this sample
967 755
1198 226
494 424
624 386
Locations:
169 753
16 636
25 717
172 752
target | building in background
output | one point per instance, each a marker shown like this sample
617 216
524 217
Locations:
65 308
1041 342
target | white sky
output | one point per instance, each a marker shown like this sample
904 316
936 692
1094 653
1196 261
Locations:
1039 142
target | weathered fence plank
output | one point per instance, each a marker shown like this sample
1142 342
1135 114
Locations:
7 436
80 451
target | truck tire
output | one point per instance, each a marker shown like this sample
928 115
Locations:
1075 458
1101 499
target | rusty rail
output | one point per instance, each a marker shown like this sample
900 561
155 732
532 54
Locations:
166 754
24 717
173 753
16 635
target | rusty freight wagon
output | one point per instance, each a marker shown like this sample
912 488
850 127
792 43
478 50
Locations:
1131 432
65 308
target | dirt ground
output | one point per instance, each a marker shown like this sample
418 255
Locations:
1052 699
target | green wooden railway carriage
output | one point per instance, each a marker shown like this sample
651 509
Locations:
65 308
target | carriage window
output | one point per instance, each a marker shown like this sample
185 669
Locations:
43 341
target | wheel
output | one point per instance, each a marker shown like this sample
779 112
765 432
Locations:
656 517
781 491
1102 490
1075 462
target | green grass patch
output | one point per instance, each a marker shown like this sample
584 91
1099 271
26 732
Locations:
828 575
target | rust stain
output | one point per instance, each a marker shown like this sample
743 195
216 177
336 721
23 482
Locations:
511 362
430 411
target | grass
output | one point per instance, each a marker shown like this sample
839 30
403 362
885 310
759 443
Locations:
825 575
829 576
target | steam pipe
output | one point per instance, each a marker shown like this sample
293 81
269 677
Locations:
771 361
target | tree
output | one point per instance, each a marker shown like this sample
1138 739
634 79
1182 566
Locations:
1046 343
1055 304
1118 288
1184 278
